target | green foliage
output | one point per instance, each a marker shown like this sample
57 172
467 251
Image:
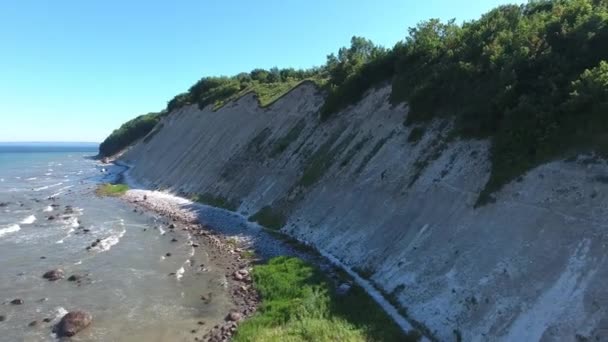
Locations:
269 217
300 304
324 157
112 190
292 135
128 133
216 201
416 134
531 78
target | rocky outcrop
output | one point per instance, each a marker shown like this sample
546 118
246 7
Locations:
73 323
400 210
54 275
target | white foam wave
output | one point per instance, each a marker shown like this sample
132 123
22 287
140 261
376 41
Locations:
31 179
107 243
10 229
59 313
161 230
48 209
28 220
47 186
55 195
48 174
78 263
180 273
1 179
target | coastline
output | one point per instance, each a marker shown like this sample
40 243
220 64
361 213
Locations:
234 239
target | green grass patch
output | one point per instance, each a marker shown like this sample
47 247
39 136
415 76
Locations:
324 157
368 157
300 304
416 134
269 217
283 142
113 190
216 201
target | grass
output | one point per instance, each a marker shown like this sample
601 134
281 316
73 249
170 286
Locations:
416 134
112 190
283 142
300 304
373 152
324 157
216 201
269 217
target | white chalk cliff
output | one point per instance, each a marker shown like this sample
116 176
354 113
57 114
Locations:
530 266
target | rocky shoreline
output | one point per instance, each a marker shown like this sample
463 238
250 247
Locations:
224 252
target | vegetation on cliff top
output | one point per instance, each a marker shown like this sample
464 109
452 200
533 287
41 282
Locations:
128 133
532 78
112 190
299 303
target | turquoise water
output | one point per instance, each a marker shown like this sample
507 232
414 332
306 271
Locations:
49 215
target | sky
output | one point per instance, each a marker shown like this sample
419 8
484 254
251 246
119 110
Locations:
74 70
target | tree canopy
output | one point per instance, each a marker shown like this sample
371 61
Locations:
532 78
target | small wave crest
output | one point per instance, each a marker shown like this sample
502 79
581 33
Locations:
107 243
10 229
28 220
48 209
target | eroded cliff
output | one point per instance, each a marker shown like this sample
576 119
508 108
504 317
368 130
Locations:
397 204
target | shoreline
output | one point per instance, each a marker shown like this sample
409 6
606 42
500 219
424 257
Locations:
237 242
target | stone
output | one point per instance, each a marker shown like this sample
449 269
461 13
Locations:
234 316
73 323
74 277
54 275
168 254
174 240
343 289
2 318
195 245
47 320
33 324
17 301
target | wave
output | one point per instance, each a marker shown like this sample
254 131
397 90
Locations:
48 209
47 186
10 229
107 243
28 220
31 179
180 273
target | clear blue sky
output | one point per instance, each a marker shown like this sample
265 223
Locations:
74 70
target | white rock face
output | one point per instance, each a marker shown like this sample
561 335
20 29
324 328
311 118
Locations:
531 266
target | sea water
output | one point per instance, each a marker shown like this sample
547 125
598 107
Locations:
49 215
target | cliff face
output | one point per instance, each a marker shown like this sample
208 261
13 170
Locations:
399 207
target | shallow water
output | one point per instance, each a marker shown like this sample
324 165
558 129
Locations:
132 290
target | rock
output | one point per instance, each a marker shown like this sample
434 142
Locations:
3 204
171 226
54 275
33 324
168 254
72 323
42 257
50 218
47 320
17 301
74 277
234 316
86 230
3 318
343 289
145 197
174 240
195 245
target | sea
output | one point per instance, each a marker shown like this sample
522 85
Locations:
50 217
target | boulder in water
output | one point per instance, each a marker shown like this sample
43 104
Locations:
54 275
73 323
17 301
2 318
